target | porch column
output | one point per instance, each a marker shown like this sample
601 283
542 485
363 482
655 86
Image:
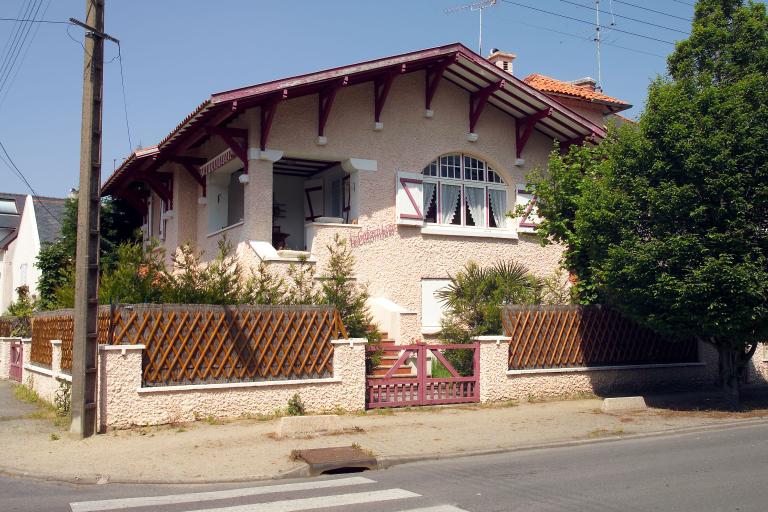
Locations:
259 186
354 167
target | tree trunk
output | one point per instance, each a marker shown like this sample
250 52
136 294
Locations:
729 374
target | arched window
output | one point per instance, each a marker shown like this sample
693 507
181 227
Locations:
462 190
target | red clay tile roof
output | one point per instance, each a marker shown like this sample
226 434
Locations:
551 85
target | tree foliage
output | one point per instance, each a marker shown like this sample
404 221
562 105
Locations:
669 220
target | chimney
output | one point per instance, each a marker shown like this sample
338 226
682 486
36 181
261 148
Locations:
501 59
586 82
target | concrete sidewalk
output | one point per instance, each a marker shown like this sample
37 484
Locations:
247 449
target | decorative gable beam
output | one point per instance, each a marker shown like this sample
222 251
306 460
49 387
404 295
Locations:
228 135
381 87
434 75
192 165
326 97
266 115
158 187
478 100
524 128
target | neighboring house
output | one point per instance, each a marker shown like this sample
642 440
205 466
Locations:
25 224
415 159
582 96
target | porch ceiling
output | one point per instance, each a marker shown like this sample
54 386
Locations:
301 167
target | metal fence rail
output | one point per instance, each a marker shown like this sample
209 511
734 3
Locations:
582 336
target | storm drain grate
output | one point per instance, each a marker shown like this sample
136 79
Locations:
332 461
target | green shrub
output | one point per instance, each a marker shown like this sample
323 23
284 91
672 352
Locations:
62 399
295 406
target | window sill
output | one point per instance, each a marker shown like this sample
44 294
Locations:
469 231
222 230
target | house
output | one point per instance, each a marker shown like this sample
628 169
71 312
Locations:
26 223
415 159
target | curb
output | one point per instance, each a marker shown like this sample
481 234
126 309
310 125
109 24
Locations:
302 471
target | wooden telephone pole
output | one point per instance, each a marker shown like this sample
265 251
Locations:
85 343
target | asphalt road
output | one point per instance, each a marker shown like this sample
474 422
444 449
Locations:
723 470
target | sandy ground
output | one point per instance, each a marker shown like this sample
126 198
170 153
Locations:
248 449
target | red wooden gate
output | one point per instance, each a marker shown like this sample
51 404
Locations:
17 360
392 390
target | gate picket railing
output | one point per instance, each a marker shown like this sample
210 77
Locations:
392 391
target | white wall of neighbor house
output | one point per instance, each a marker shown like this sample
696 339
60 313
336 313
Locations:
394 266
18 262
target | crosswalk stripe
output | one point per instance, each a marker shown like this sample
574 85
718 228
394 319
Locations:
438 508
154 501
336 500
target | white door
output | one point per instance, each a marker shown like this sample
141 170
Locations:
432 308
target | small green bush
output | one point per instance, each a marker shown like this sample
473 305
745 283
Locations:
295 406
62 399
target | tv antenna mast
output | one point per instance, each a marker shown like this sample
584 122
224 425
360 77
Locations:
474 6
597 42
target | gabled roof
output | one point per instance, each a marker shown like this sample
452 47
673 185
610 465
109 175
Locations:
11 208
553 86
48 212
462 67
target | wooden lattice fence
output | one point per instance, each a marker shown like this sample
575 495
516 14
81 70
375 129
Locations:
60 325
196 344
579 336
15 326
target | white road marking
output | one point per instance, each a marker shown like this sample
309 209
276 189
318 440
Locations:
155 501
438 508
337 500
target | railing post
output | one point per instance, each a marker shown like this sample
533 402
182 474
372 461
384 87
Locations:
421 372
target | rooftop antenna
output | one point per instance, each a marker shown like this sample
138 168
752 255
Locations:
599 87
474 6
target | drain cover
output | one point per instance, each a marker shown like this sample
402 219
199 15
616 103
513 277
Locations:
336 460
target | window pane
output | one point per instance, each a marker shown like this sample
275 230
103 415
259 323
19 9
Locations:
430 201
493 177
474 169
474 199
450 206
431 169
450 166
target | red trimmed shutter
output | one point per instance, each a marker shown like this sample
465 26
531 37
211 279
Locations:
409 201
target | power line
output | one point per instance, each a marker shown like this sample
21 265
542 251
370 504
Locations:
652 10
37 21
23 57
628 18
125 101
16 50
590 23
684 3
588 39
18 173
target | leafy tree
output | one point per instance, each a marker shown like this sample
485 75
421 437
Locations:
264 287
669 221
190 281
118 224
22 309
136 277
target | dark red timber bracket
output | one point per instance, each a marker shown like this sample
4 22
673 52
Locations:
524 128
137 203
433 76
477 102
267 115
381 87
325 103
158 187
229 136
192 165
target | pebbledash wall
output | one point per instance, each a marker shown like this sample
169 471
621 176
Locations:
123 402
498 383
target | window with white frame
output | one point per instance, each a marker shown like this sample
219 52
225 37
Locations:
462 190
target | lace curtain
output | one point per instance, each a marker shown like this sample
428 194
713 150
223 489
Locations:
498 200
429 191
475 198
449 200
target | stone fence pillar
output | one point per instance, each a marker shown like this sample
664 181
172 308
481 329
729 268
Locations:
494 363
120 376
349 367
5 357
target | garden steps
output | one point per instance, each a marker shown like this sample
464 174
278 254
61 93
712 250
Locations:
390 355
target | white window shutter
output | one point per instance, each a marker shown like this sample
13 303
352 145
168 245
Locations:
530 219
409 200
314 200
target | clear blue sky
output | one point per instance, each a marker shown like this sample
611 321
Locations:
176 53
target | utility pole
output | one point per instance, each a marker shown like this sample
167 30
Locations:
85 342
